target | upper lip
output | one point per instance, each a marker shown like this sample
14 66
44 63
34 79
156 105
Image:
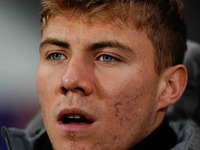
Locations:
74 111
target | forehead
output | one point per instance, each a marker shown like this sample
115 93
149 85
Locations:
94 29
61 22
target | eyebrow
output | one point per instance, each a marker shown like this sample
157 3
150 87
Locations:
112 44
94 46
55 42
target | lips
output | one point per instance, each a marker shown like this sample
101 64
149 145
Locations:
74 120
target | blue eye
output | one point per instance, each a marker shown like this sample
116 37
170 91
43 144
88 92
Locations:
107 58
57 56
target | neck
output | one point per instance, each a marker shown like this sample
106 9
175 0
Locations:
162 138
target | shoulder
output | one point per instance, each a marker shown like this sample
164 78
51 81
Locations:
24 139
188 134
193 51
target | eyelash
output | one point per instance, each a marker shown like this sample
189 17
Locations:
101 57
113 59
49 56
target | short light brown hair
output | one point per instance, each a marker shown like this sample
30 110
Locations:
161 20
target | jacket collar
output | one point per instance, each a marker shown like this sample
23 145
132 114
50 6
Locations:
162 138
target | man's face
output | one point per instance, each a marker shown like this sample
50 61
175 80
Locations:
97 85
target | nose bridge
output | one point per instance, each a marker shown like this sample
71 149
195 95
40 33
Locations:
75 68
76 75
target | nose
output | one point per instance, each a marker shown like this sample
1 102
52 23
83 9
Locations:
77 77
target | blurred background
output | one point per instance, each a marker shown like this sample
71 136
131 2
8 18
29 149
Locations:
19 56
19 47
192 19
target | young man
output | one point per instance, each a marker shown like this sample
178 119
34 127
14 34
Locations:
108 71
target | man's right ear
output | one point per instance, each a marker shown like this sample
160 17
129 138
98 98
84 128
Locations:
171 86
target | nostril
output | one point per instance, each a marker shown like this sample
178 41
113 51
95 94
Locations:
64 90
80 89
75 89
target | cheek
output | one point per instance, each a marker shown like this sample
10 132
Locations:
133 93
46 84
46 89
47 98
131 108
128 104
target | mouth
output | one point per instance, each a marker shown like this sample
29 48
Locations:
74 120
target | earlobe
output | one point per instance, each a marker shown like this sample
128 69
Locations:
173 83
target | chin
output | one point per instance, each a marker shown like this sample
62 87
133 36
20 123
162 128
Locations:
77 146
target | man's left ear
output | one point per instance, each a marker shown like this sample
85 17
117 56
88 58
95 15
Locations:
171 86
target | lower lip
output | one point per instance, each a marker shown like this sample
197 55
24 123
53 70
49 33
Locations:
74 127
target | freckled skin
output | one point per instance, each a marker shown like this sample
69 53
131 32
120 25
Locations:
120 95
